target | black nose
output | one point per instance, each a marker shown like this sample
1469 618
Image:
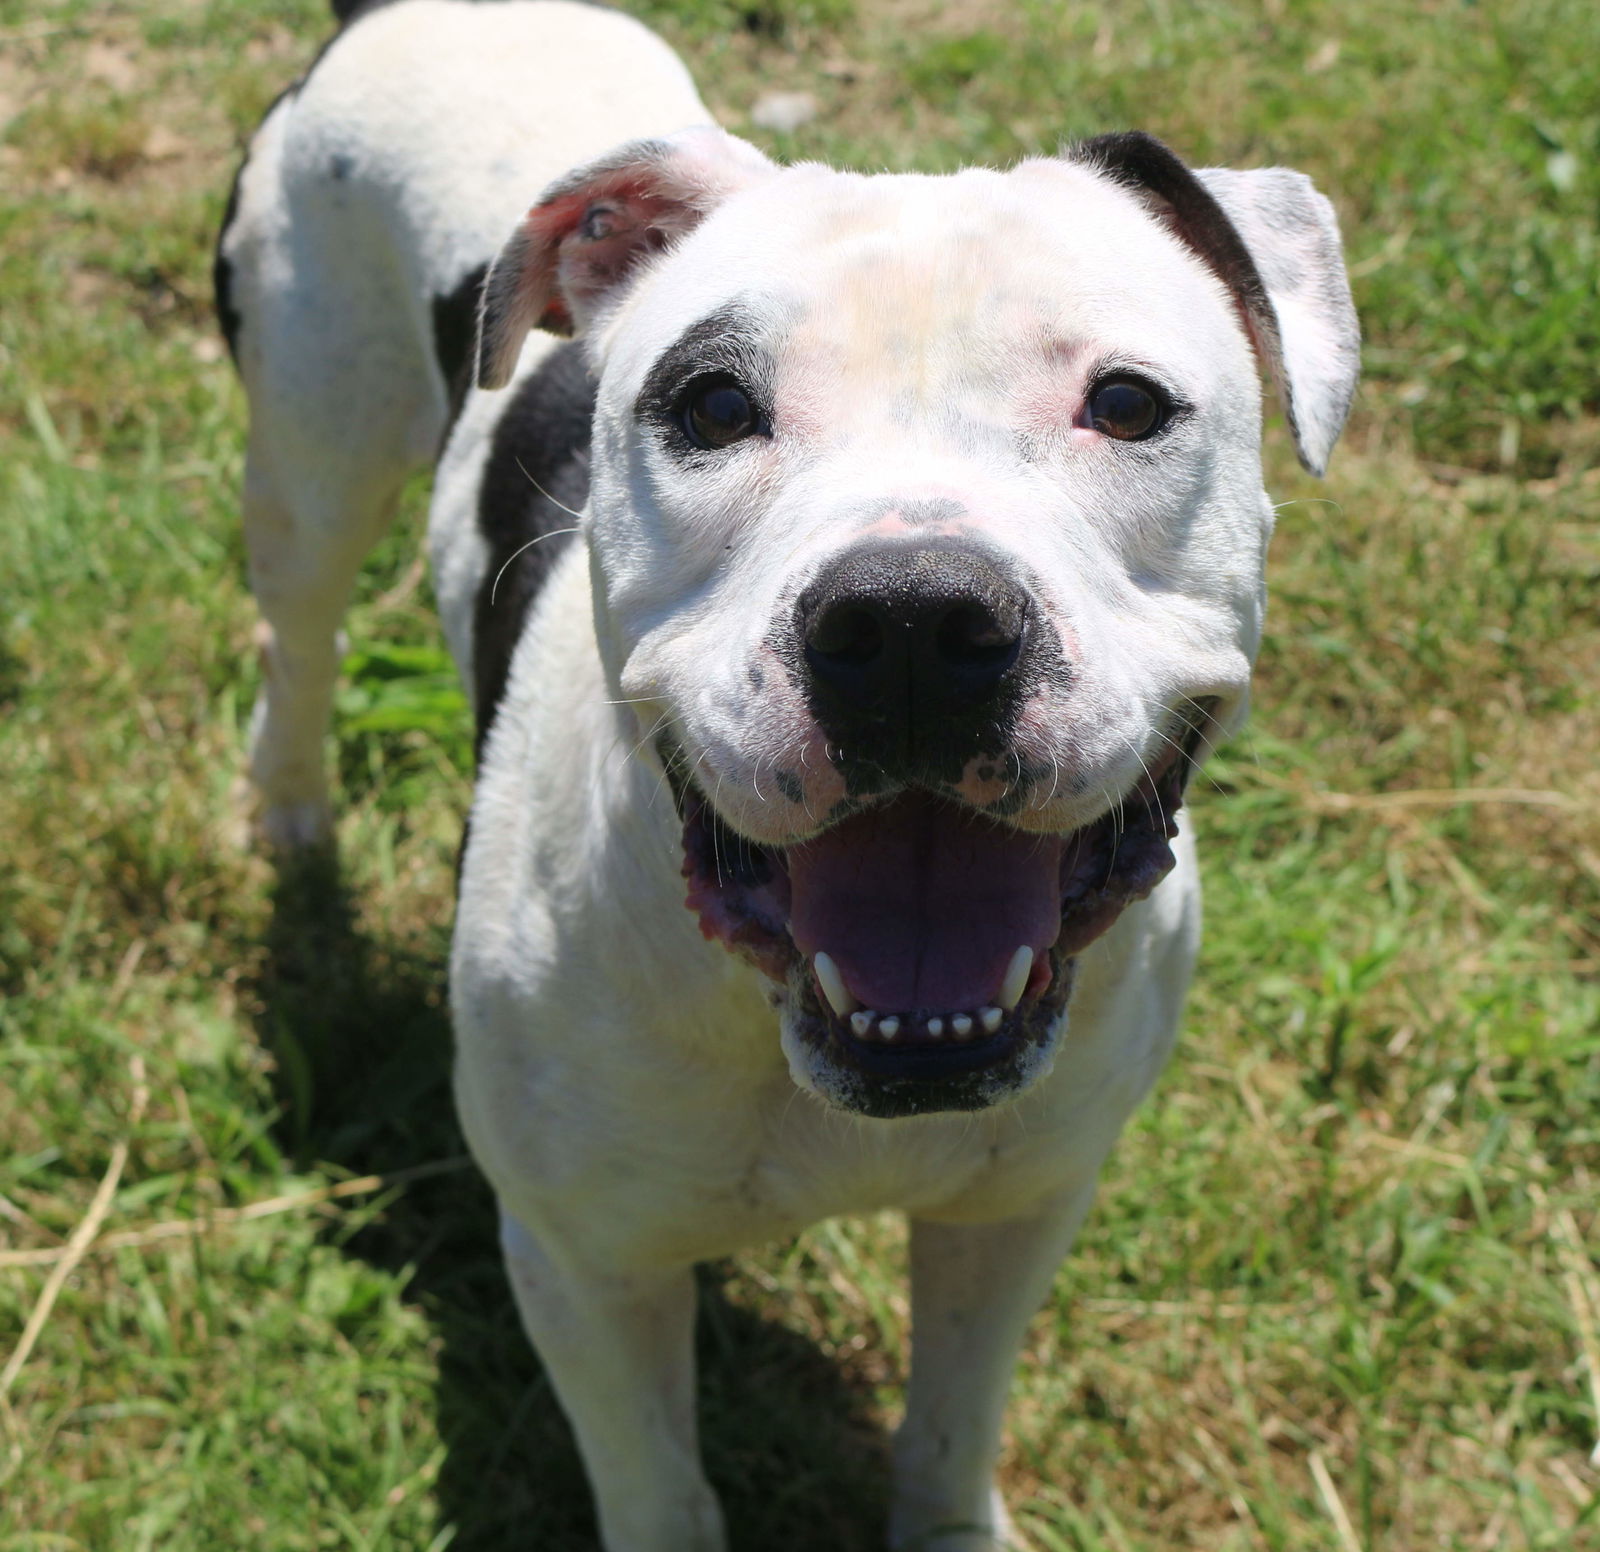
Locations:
913 653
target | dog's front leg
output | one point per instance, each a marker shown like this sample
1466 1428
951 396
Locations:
974 1288
619 1350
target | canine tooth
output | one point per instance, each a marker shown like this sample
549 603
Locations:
861 1022
1016 981
832 984
990 1019
935 1028
889 1027
962 1025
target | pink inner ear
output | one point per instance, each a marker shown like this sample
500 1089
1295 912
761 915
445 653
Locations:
559 264
614 234
547 228
597 234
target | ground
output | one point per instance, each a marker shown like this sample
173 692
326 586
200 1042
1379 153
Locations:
1340 1290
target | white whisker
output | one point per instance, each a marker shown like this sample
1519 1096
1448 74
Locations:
555 533
546 494
1149 811
716 829
1195 760
651 733
1310 501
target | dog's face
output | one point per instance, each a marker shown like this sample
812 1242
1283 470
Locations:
928 540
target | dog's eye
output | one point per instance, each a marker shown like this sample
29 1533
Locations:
717 412
1127 409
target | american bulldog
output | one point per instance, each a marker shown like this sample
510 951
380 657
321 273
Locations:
848 573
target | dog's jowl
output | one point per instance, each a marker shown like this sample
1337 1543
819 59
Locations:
845 609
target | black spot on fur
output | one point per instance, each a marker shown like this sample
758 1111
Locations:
347 11
538 468
723 341
455 327
222 272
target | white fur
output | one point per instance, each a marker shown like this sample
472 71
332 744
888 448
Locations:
619 1078
628 1088
401 164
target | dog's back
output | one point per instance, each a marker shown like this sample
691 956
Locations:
374 194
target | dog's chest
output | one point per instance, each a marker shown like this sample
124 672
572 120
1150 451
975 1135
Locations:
721 1184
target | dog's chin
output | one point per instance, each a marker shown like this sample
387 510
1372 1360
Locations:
923 952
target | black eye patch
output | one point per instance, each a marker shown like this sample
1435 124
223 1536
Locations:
711 387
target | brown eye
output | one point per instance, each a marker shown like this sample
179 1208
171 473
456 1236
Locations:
717 412
1126 409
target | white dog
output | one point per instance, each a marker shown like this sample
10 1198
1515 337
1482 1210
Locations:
920 560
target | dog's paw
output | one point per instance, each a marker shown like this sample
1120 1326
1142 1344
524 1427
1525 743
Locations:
281 829
287 828
992 1532
1007 1538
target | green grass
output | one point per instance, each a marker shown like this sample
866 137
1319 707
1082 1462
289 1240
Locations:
1352 1238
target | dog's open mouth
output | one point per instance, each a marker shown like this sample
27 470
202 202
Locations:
928 949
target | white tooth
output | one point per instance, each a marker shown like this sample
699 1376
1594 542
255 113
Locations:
861 1023
832 984
935 1028
990 1019
889 1027
962 1025
1016 981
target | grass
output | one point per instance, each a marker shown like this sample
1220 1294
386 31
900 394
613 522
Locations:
1339 1286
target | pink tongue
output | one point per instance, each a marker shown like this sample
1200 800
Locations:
921 904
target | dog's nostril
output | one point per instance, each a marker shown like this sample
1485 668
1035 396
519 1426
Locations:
971 636
847 634
910 655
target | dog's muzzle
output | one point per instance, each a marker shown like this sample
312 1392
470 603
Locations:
927 947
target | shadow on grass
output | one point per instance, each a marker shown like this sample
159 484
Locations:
361 1038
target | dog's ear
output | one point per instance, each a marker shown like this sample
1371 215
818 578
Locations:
591 230
1274 241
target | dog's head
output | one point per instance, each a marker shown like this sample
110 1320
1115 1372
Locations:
928 537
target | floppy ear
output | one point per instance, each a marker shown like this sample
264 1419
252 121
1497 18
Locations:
591 229
1274 242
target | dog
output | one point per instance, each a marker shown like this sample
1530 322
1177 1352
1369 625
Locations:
827 852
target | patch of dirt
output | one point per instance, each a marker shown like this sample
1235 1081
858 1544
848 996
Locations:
116 65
